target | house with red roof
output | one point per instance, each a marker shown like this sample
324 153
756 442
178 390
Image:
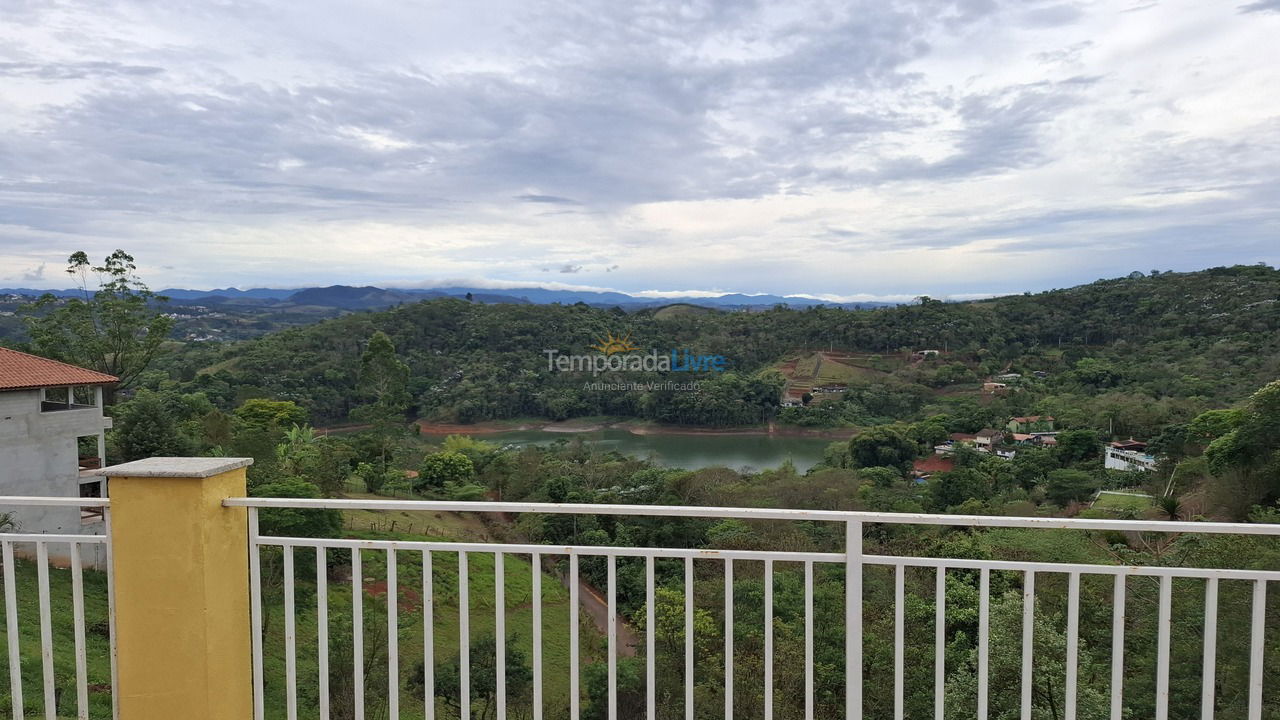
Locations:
52 433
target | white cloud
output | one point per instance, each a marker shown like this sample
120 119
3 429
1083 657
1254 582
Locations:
841 150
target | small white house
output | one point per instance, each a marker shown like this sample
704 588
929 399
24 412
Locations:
1128 455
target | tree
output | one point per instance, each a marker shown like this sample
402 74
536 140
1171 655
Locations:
146 427
1005 668
953 488
263 414
882 446
444 467
374 478
1170 506
1252 448
384 381
324 461
1077 445
880 476
1095 372
1066 486
295 522
1213 424
114 328
928 433
482 660
1032 466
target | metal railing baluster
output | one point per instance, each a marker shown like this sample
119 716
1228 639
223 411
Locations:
728 639
688 638
1118 615
650 671
428 638
768 640
322 630
500 634
290 639
46 632
1258 628
464 638
77 614
984 640
11 631
1073 644
1208 669
357 635
1028 640
393 637
940 643
536 582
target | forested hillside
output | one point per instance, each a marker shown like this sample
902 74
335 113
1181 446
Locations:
1138 351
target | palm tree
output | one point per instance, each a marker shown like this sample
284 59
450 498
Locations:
1170 506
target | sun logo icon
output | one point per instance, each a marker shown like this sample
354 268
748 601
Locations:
611 345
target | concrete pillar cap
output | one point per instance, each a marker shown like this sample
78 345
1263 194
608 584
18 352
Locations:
175 467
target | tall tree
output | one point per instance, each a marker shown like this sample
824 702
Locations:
115 328
146 427
384 380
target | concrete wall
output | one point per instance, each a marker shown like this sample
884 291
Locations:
39 456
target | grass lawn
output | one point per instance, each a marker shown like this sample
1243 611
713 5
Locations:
1119 502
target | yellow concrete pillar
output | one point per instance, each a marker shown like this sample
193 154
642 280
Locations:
181 564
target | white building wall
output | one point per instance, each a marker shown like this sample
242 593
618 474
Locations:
1127 460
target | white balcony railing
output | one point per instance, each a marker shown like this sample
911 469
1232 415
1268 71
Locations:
854 561
67 550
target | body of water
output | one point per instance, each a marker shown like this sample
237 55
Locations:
690 452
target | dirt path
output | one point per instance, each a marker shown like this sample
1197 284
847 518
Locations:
597 608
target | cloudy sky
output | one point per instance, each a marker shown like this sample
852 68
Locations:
844 149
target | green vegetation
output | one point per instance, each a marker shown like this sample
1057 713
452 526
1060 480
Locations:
112 329
1125 502
1186 360
1123 357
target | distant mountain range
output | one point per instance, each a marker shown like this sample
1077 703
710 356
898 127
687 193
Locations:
347 297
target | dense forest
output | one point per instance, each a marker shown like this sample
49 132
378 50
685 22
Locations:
1128 356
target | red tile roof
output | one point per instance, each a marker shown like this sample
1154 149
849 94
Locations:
20 371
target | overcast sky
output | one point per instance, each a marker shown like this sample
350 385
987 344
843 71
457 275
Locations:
844 149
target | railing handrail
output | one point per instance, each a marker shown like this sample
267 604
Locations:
53 501
761 514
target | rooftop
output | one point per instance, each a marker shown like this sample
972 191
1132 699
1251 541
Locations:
21 371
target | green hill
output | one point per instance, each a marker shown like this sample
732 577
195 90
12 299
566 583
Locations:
1211 334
